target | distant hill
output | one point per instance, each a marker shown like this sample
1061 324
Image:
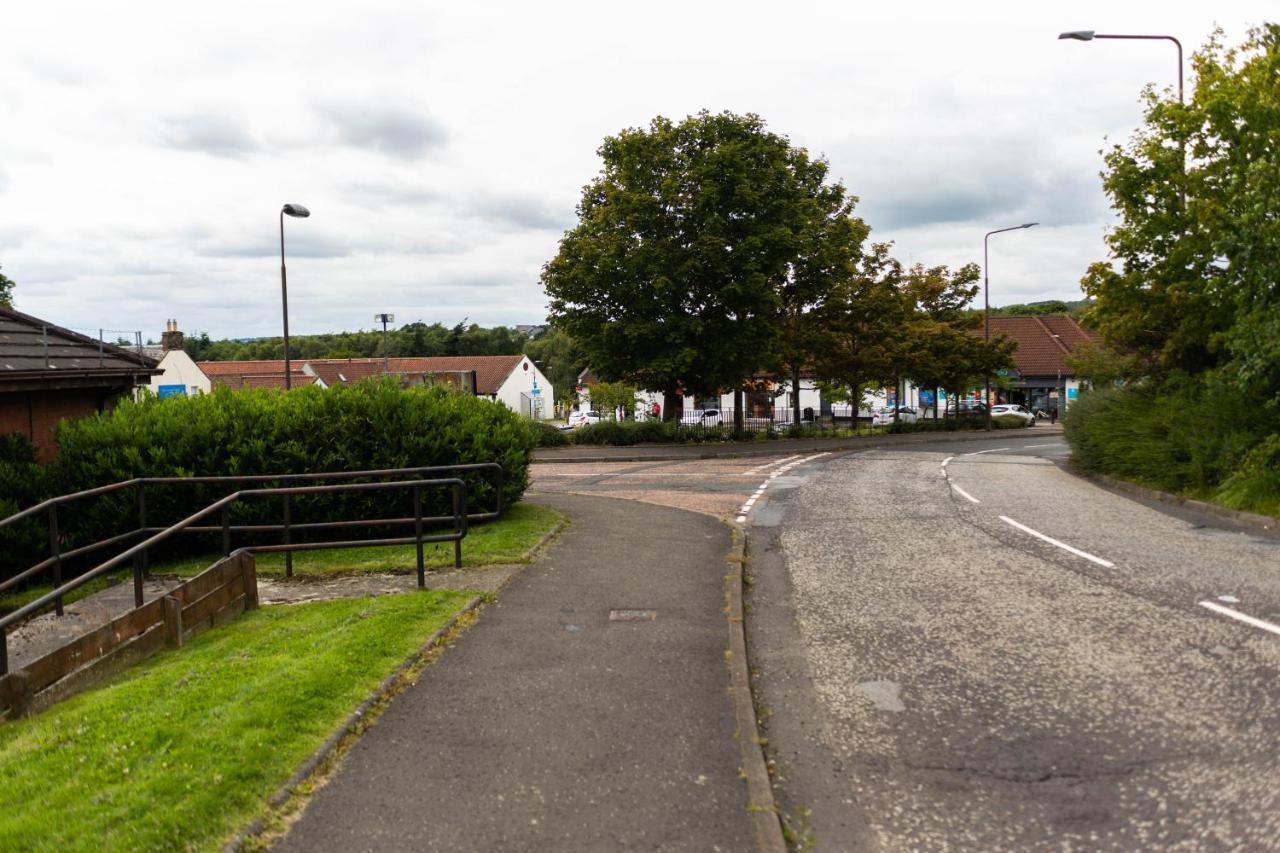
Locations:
1048 306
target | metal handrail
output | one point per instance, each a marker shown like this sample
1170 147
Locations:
51 506
457 485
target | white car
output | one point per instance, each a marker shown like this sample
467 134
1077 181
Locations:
701 417
884 417
577 419
1012 410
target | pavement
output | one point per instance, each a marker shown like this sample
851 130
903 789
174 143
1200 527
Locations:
588 709
998 655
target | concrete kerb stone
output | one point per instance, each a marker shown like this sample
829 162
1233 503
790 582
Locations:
1264 524
349 726
765 818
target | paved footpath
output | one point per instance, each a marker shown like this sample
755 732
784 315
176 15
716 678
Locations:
550 727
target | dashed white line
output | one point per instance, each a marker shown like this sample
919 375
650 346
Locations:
759 468
1029 446
1241 617
992 450
970 498
792 461
1063 545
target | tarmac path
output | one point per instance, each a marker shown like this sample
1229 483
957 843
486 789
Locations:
965 647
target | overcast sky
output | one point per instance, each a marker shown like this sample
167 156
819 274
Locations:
146 147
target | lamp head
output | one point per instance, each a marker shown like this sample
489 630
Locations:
296 210
1078 35
1029 225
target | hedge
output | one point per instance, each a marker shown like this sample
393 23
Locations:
366 425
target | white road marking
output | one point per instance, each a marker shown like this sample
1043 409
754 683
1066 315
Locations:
1229 599
945 461
741 519
1063 545
1242 617
1029 446
760 468
992 450
799 459
965 494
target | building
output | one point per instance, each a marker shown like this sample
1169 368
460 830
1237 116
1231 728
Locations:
1041 378
179 376
48 373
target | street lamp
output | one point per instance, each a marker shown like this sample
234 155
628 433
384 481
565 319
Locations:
986 301
302 213
1090 35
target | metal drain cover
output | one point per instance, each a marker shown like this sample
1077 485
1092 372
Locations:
633 615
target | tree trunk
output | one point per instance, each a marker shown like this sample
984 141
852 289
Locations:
855 399
795 394
897 399
671 406
738 422
935 402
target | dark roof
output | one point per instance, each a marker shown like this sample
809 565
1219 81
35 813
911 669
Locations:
1044 342
31 348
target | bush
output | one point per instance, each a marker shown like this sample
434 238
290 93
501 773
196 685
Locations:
22 484
1187 435
367 425
544 434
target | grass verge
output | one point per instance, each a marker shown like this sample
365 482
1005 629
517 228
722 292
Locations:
183 750
504 541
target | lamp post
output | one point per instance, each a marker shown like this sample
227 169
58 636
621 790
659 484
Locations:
384 319
986 302
302 213
1090 35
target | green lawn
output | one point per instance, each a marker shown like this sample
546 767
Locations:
183 750
503 541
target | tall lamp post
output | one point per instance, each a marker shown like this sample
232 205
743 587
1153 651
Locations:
1090 35
302 213
986 301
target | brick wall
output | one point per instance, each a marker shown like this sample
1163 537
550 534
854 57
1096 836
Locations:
36 413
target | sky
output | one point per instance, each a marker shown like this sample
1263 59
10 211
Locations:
147 147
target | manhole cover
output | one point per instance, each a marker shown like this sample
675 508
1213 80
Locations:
632 615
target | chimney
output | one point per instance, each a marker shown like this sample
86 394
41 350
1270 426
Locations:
172 338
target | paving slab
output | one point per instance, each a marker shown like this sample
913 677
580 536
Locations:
550 725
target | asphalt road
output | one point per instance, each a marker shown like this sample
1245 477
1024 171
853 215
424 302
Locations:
995 654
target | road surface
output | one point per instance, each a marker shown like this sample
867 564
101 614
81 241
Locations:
963 646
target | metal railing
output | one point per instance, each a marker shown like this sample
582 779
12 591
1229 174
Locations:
139 553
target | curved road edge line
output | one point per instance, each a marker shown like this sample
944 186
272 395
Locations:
760 803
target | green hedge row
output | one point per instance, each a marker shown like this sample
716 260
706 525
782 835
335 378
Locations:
1186 435
367 425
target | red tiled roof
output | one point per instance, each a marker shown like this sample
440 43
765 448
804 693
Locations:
237 381
491 370
1043 342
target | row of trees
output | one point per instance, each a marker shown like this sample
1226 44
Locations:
711 254
411 339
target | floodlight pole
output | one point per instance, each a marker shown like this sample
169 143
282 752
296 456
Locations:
986 306
384 319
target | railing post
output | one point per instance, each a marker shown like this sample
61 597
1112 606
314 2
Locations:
55 548
417 532
288 539
4 652
226 530
459 525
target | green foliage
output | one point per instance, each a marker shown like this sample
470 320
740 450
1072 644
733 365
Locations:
183 750
674 276
22 484
559 358
1075 308
366 425
1191 290
606 397
1101 366
547 435
411 339
6 291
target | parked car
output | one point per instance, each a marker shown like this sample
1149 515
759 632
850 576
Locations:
701 417
1012 410
577 419
906 415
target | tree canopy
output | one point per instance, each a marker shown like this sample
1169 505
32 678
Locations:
692 245
6 291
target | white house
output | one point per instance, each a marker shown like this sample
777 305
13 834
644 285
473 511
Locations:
181 377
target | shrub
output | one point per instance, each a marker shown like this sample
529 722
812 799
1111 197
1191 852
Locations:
543 434
367 425
1255 485
22 484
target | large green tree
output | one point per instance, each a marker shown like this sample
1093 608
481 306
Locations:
690 246
1191 285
